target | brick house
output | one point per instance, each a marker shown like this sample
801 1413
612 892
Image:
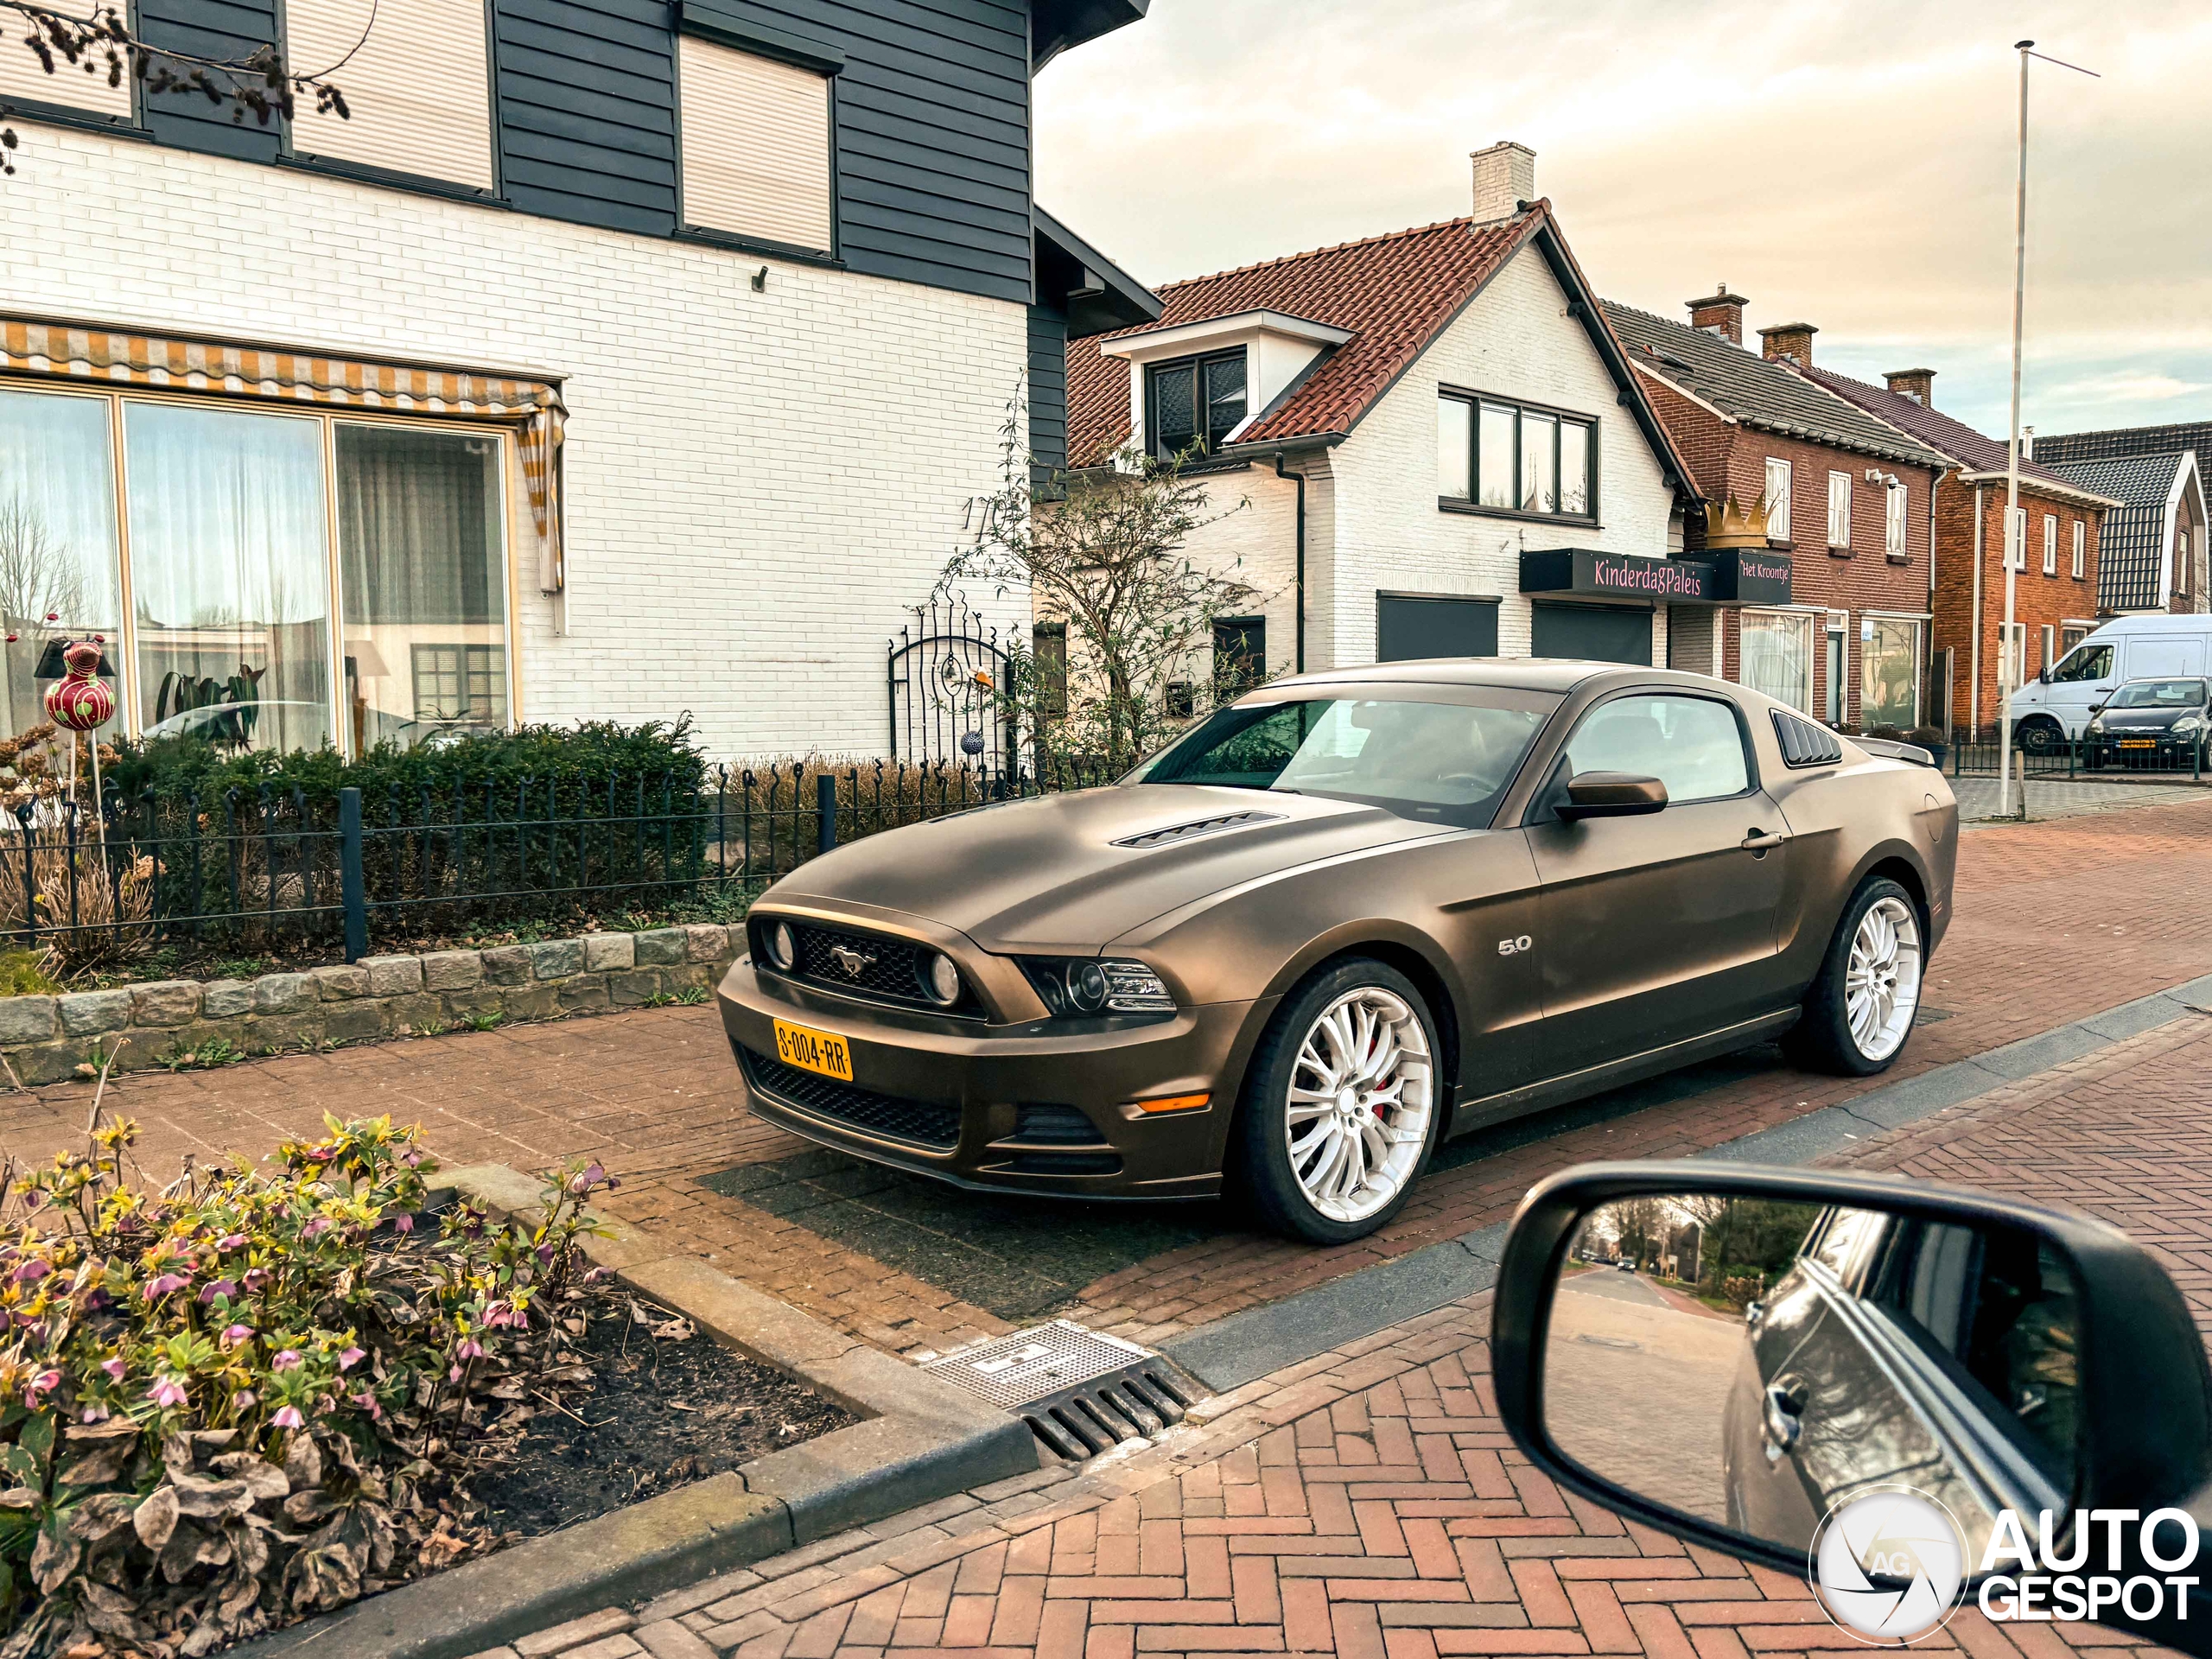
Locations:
2158 559
1787 467
612 361
2054 564
1443 447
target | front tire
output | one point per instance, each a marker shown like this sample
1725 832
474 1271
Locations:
1340 1105
1861 1010
2040 735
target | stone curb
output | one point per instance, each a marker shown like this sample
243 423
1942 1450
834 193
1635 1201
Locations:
922 1440
1230 1352
45 1039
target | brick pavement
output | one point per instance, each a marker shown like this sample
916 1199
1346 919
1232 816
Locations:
2056 921
1366 1503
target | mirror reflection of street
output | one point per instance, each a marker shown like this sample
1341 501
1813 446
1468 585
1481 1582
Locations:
1635 1383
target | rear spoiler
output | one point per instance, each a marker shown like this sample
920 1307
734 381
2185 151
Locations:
1891 751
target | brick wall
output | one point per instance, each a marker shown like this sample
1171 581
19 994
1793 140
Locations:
2038 600
757 483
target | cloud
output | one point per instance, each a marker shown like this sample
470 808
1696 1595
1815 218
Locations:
1848 164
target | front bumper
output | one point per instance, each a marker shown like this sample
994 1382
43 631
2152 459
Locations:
946 1097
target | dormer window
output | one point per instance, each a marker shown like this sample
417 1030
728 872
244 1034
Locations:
1194 402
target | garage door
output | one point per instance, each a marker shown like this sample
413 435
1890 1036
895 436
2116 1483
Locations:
1600 634
1406 630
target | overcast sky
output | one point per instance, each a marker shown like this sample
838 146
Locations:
1847 165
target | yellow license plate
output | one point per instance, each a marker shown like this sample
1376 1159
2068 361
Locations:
813 1051
2138 743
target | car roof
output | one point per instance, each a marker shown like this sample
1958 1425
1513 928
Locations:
1521 673
2158 622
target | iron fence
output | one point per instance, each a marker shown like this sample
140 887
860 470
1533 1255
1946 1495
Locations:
270 869
2109 756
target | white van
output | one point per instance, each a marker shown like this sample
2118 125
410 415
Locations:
2057 703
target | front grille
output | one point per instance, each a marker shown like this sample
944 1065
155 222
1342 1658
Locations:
923 1122
874 967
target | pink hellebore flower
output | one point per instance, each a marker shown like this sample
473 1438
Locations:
113 1367
245 1398
287 1361
317 1227
236 1334
44 1382
233 1242
256 1280
289 1418
218 1287
350 1358
469 1349
368 1403
31 1272
404 1224
165 1392
168 1282
94 1413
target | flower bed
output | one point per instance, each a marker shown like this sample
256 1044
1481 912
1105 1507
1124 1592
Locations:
253 1395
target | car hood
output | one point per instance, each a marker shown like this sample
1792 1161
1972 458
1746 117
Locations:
2144 720
1049 873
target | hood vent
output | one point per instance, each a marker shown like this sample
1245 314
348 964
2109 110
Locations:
1152 838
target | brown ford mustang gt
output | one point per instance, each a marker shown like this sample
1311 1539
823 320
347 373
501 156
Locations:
1352 915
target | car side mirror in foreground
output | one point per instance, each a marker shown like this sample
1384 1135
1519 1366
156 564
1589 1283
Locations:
1917 1397
1611 795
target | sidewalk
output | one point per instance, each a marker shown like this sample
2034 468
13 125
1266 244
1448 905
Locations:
1366 1504
2056 921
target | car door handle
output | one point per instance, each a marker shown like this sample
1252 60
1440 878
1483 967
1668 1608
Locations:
1759 840
1783 1418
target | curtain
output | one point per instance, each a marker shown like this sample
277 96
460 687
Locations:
1777 656
57 538
230 573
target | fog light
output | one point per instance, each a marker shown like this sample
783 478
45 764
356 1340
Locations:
940 978
778 943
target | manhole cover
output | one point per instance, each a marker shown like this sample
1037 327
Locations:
1081 1392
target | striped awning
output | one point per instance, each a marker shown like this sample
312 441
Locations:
111 357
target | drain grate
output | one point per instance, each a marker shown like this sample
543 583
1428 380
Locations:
1081 1392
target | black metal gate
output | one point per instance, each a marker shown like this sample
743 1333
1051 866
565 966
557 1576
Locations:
947 676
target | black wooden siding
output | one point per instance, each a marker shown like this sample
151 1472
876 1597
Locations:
932 155
1048 387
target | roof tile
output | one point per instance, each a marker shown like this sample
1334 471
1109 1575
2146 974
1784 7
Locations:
1975 451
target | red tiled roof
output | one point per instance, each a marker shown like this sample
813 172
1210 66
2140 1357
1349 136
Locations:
1395 294
1974 451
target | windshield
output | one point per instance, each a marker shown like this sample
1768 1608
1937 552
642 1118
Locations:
1449 761
2159 694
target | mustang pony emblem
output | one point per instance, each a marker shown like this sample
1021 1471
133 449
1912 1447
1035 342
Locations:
855 962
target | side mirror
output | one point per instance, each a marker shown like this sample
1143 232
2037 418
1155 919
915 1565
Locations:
1611 795
2096 707
1928 1394
2042 677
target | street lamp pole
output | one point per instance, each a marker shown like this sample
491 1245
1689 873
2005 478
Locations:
2013 544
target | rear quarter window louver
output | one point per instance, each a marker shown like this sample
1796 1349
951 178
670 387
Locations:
1804 744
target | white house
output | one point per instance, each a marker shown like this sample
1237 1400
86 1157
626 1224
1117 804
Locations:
1444 447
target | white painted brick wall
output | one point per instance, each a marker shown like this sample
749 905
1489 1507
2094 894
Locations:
757 483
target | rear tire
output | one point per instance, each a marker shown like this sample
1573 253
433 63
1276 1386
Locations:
1859 1014
1340 1105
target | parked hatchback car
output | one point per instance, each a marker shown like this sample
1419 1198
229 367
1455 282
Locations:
1345 918
2149 723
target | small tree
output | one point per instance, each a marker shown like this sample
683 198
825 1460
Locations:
1102 551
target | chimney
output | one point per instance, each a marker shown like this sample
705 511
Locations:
1506 176
1919 384
1791 340
2027 443
1719 313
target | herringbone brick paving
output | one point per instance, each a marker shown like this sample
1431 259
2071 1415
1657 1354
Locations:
1366 1504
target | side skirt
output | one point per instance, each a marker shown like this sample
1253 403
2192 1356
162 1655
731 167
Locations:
1483 1113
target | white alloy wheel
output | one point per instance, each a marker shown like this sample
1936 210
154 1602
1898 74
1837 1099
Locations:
1881 985
1362 1093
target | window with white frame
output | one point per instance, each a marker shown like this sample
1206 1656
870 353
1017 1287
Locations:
2081 548
2049 646
243 628
756 143
1840 510
1775 655
2050 543
1895 502
2016 538
417 80
1777 498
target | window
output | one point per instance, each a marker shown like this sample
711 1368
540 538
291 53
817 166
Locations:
22 76
2050 545
1839 1240
2069 637
1839 659
1889 672
1194 402
2081 548
1777 499
2011 655
2093 663
1840 510
235 633
1446 761
2050 646
1692 744
1049 645
1509 459
1777 656
1896 501
2016 538
756 138
417 85
1240 655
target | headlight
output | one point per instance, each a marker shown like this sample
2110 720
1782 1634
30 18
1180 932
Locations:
777 943
1082 986
940 978
2188 724
2098 724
